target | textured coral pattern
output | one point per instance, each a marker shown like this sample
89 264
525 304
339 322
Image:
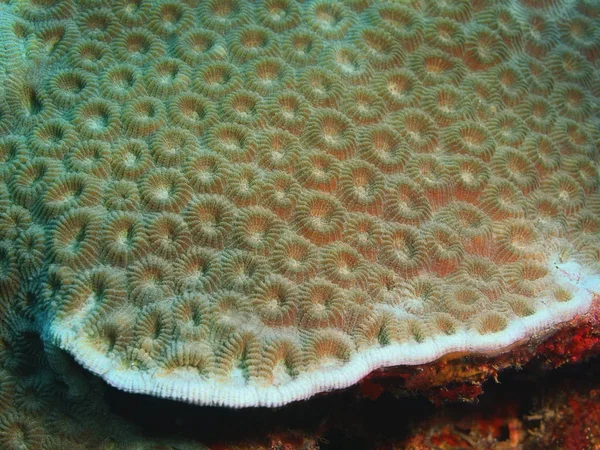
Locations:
198 194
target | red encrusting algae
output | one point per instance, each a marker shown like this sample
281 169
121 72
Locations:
459 377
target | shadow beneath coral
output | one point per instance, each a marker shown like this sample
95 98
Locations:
337 420
344 419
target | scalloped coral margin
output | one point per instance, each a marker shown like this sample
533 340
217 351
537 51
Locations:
210 392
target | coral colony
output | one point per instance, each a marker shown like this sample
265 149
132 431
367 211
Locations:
244 203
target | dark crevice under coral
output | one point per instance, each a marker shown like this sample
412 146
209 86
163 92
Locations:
347 420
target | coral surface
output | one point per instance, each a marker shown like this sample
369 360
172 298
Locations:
247 203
